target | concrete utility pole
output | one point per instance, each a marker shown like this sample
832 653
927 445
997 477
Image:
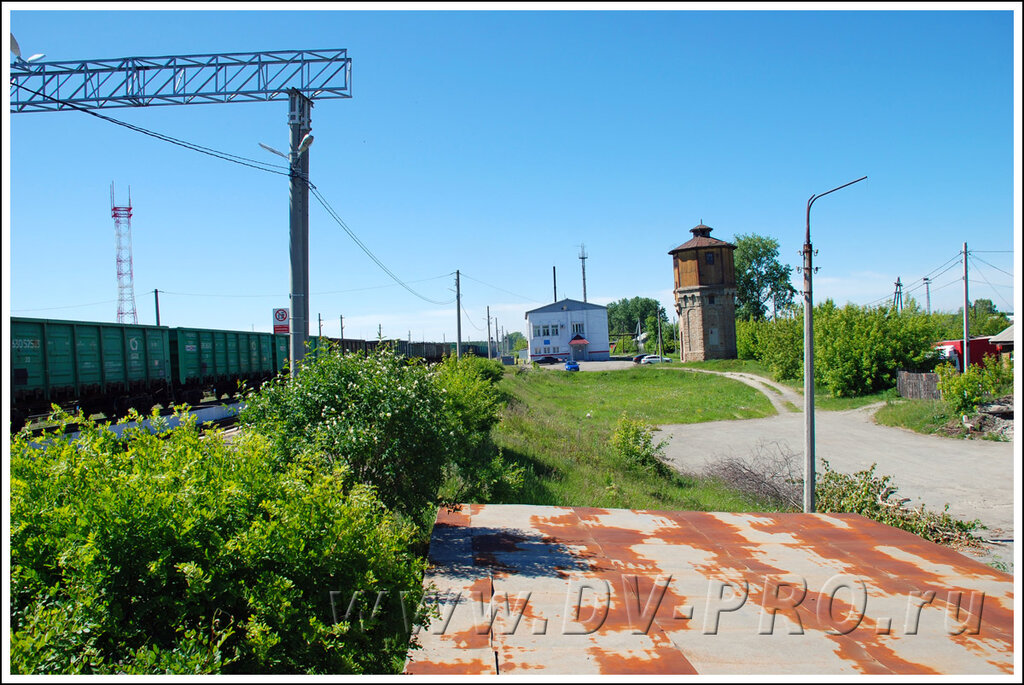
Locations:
341 327
583 262
928 293
897 297
458 317
967 324
808 269
554 283
156 298
320 325
299 123
488 331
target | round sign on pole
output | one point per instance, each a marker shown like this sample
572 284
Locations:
280 321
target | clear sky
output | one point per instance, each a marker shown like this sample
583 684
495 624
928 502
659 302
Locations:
496 142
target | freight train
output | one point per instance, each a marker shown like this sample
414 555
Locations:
110 368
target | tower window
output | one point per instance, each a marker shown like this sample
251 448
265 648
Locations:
709 257
711 299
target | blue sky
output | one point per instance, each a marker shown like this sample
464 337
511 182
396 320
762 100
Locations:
496 142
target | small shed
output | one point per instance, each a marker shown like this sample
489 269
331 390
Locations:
1004 344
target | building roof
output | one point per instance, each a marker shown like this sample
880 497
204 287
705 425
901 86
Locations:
1003 337
701 238
565 305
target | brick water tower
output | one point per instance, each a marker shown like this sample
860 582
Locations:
705 290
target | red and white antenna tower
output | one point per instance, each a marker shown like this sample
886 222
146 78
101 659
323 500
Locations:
125 278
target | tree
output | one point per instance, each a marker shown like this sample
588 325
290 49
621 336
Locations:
623 315
514 340
761 279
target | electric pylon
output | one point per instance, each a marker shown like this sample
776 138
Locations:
125 279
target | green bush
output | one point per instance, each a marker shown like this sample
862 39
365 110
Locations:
178 553
477 470
963 392
869 495
633 440
385 419
857 350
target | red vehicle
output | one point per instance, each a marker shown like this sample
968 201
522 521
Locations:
952 351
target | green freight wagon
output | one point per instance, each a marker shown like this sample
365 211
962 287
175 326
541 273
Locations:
99 367
216 361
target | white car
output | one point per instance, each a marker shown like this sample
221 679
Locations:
654 359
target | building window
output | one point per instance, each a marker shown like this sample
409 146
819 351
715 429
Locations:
536 331
577 328
709 257
711 299
547 331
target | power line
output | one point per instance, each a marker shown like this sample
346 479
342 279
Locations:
470 319
522 297
994 267
226 156
325 292
334 215
255 164
70 306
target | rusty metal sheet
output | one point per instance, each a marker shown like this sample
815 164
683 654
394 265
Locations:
537 590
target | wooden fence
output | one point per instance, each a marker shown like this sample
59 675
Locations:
918 386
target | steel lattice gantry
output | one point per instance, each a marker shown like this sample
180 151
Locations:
179 80
300 76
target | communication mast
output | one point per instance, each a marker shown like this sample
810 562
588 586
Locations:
125 279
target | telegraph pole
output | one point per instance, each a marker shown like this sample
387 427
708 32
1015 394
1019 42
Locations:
488 331
320 325
156 297
967 325
897 297
554 282
458 317
928 293
341 326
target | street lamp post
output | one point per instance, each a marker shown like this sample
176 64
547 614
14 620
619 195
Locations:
808 270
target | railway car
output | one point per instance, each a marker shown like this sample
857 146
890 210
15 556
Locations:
100 367
205 360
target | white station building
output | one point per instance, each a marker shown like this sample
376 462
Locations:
569 329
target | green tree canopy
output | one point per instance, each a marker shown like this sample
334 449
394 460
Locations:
761 279
623 315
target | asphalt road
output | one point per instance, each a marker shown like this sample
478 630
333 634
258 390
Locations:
975 477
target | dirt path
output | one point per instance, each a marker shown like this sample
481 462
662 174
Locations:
975 477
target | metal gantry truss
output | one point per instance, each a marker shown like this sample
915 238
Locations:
180 80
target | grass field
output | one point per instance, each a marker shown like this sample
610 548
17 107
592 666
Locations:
822 399
567 456
921 416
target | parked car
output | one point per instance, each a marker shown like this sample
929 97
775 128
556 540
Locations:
638 358
547 360
654 359
571 365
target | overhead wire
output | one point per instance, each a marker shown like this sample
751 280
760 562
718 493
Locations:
985 278
324 292
70 306
489 285
469 318
994 267
255 164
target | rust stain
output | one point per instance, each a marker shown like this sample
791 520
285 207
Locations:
644 557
